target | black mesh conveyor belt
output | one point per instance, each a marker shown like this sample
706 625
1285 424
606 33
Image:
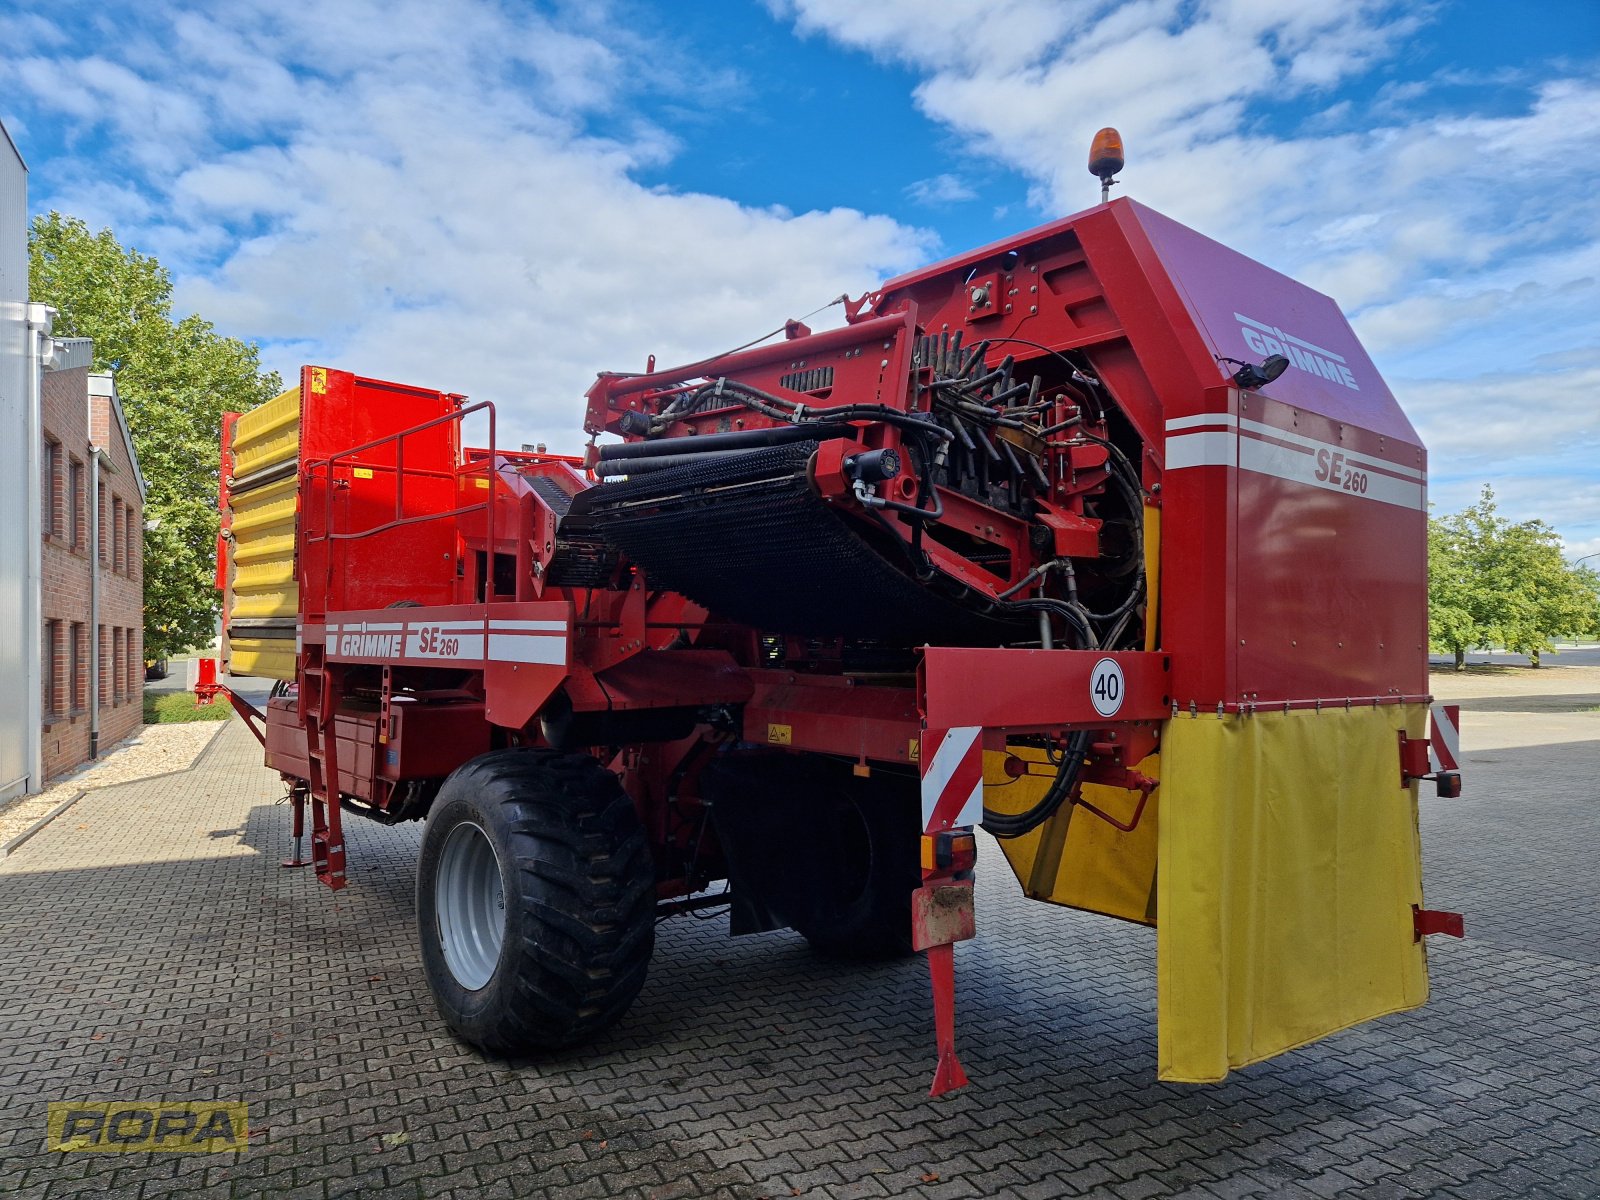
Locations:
747 537
550 492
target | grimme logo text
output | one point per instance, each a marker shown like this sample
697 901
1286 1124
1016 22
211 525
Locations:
1266 339
142 1126
370 645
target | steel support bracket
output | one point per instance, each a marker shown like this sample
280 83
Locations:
1425 921
1414 760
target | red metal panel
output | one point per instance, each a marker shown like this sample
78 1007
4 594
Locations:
428 741
1198 559
355 732
1332 558
830 714
1041 689
412 563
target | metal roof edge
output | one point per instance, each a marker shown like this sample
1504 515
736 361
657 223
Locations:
122 424
74 352
5 133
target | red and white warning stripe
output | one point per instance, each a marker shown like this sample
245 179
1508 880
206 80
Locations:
952 777
1444 744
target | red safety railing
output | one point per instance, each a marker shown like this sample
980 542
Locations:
325 469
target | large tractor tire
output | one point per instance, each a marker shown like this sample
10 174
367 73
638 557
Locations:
864 880
814 847
535 900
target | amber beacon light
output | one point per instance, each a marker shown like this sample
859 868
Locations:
1105 159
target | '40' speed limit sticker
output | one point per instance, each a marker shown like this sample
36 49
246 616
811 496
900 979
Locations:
1106 687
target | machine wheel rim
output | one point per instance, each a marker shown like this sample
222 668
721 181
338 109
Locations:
470 902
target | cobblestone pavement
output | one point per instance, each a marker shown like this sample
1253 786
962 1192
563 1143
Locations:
154 950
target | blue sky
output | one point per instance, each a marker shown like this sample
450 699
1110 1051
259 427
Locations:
503 198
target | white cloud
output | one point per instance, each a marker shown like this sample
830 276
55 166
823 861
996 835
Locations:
1531 433
941 190
413 191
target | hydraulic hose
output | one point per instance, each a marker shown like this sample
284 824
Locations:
1062 789
742 439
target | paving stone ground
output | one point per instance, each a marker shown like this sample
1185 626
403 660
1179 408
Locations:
152 949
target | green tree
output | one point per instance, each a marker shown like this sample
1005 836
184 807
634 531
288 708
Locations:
1551 599
175 380
1495 582
1458 595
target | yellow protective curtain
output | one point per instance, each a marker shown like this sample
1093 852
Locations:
1289 862
1076 858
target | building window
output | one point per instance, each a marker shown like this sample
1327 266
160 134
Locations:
52 675
50 489
78 668
135 538
75 505
103 666
119 545
103 518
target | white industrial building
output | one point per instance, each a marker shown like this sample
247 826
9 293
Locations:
27 350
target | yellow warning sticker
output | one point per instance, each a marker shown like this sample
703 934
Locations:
780 735
363 472
914 753
319 380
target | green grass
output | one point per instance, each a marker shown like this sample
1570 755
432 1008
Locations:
176 708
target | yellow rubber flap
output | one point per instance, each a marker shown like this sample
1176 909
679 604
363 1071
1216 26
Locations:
1289 864
1077 858
267 435
261 658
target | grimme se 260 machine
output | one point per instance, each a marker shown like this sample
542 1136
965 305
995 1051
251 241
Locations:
1103 538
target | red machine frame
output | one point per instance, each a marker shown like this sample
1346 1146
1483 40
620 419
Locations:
406 670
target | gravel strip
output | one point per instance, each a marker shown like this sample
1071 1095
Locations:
153 750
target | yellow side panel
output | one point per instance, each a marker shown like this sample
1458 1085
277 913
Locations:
1289 864
261 509
1076 858
263 552
261 578
267 434
263 658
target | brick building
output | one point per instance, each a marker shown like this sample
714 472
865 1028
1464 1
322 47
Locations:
92 568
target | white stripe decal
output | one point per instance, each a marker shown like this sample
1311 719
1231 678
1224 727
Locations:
946 760
1299 439
1301 466
545 649
1299 462
1204 420
498 626
1201 450
427 643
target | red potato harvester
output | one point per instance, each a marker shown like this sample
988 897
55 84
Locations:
1103 538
